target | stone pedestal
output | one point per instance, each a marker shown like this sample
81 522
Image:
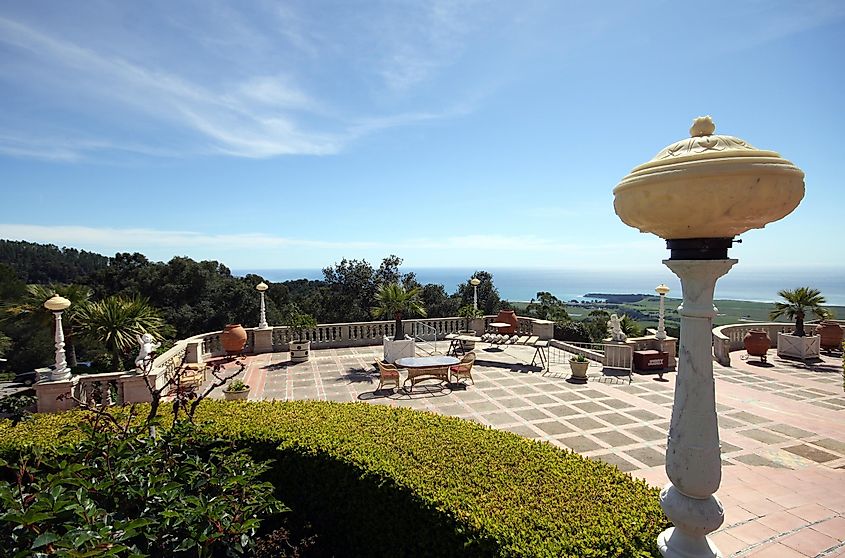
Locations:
544 329
193 352
394 350
617 355
263 341
693 458
48 393
134 390
804 348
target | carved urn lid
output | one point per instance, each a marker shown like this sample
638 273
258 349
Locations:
708 186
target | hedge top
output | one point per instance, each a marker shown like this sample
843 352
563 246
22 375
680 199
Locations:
532 498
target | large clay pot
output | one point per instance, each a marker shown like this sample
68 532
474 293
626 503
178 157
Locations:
299 351
757 343
579 370
508 317
233 338
831 334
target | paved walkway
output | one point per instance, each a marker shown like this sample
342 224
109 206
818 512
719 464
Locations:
781 426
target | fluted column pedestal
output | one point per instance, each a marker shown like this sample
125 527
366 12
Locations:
693 458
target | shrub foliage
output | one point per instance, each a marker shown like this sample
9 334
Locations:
381 481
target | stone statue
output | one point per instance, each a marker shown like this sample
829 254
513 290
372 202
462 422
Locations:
145 354
614 328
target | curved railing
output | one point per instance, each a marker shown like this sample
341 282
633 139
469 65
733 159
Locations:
729 337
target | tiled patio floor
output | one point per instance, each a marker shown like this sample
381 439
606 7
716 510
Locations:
781 426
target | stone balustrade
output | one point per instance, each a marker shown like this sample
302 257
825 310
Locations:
129 387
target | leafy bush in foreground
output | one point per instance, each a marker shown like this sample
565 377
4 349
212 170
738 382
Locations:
122 493
381 481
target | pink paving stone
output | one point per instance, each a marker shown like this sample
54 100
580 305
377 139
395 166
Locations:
811 512
832 527
776 550
727 543
752 532
782 521
762 506
809 542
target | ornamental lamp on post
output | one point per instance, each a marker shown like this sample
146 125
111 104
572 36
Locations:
58 304
661 289
262 320
698 194
475 281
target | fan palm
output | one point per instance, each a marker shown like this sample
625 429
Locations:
394 300
31 309
798 303
116 322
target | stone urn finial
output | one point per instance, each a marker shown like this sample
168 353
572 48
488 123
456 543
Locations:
702 126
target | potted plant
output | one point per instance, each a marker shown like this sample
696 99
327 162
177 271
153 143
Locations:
299 323
395 300
579 365
236 390
469 313
798 303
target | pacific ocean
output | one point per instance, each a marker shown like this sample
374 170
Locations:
758 285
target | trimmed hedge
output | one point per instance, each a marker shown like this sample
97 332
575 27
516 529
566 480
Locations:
382 481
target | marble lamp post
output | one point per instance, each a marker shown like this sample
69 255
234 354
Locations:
661 289
58 304
475 281
698 194
262 320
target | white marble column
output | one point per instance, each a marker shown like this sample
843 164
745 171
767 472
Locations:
661 323
61 371
693 458
262 318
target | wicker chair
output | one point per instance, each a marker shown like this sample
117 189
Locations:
388 373
464 369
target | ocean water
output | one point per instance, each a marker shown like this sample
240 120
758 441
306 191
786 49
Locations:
760 285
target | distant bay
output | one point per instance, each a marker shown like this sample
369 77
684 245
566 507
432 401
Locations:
756 285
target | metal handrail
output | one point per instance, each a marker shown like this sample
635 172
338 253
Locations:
416 326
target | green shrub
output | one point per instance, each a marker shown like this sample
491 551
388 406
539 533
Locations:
381 481
118 492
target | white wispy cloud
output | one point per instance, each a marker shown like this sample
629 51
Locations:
244 111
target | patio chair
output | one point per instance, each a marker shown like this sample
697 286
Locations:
464 369
388 373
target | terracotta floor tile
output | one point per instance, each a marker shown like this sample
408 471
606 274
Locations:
776 550
811 512
832 527
727 543
809 542
753 532
782 521
762 506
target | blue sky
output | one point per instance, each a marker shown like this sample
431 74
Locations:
467 133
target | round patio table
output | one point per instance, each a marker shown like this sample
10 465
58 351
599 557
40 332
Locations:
426 368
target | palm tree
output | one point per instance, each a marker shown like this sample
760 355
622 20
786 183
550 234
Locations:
116 322
31 309
394 300
798 303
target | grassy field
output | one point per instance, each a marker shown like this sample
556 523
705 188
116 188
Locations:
730 311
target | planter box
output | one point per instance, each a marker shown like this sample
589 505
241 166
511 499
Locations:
236 395
803 348
394 350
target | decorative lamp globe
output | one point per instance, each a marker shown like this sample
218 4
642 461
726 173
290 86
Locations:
661 289
261 287
475 281
708 186
57 303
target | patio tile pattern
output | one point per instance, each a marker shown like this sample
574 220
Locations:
781 427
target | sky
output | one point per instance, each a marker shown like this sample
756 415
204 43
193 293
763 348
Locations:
465 133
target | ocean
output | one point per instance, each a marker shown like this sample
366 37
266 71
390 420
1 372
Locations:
758 285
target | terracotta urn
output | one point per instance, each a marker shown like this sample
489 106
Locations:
757 343
233 338
831 334
508 317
